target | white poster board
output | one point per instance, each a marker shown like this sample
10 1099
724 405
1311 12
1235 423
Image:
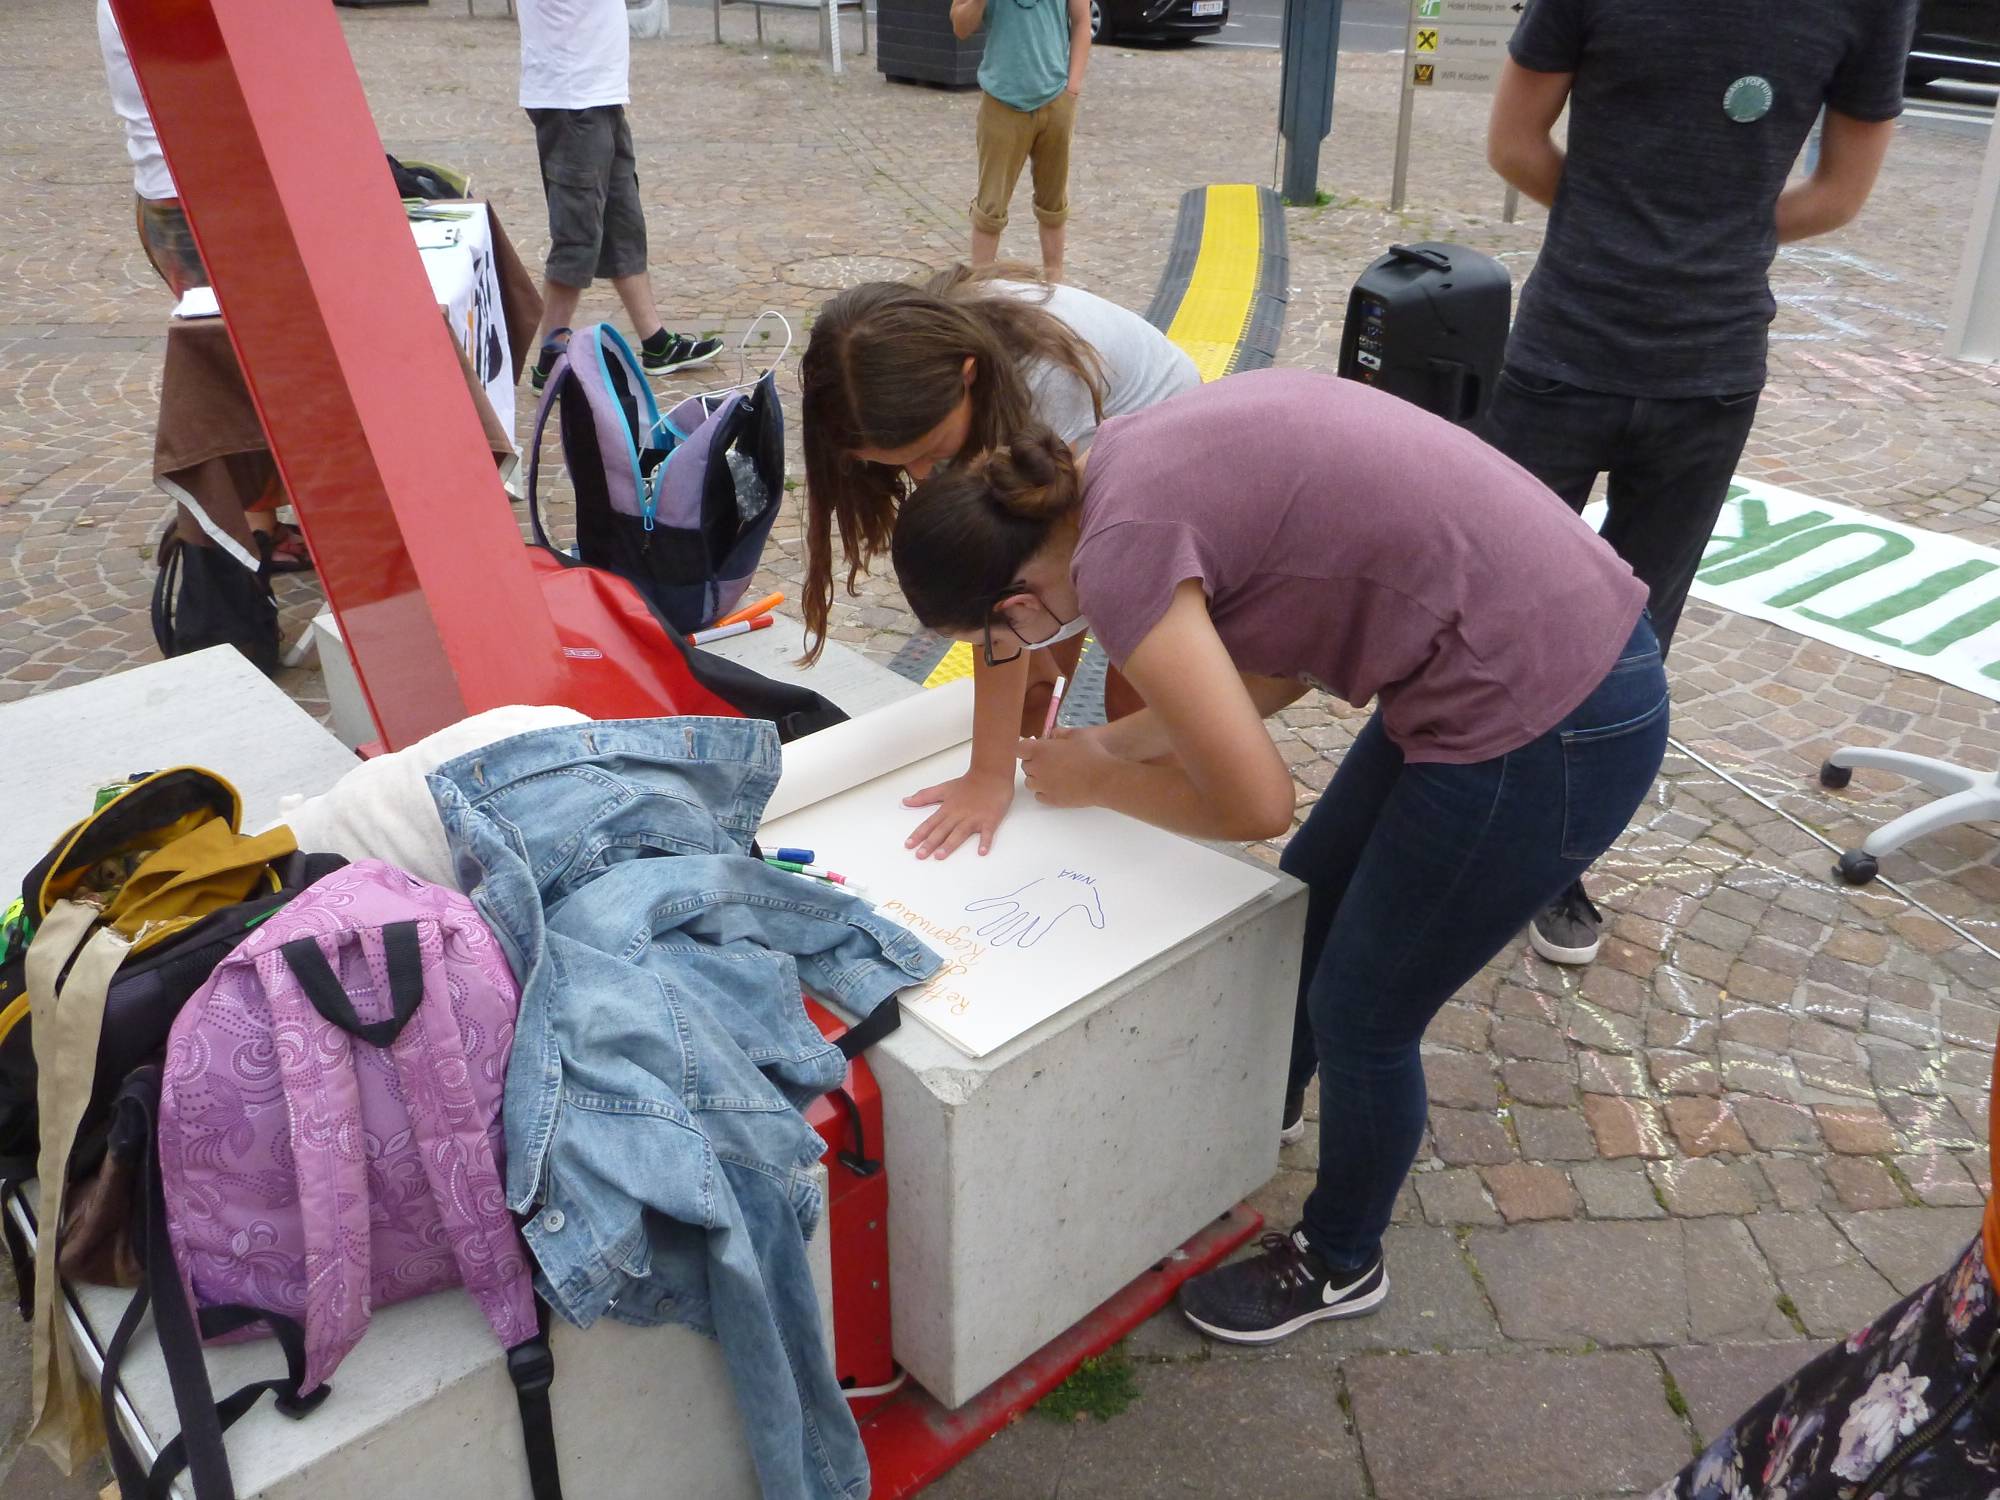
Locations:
456 243
1069 900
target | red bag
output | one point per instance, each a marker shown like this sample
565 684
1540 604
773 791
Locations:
626 662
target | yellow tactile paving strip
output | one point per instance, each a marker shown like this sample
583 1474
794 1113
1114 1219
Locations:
1215 309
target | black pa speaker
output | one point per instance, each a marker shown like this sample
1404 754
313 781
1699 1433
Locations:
1429 323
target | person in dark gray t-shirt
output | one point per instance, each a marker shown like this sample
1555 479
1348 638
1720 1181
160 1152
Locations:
1638 347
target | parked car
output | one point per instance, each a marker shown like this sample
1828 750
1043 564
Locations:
1175 20
1956 39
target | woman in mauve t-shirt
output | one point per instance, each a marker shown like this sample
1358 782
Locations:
1281 530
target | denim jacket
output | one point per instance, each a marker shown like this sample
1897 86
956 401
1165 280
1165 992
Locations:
662 1055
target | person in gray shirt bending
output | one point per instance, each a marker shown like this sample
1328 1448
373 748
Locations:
1638 347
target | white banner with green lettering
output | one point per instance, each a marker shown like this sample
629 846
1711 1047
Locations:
1914 599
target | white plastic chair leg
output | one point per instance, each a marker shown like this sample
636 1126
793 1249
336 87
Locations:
1979 804
1938 775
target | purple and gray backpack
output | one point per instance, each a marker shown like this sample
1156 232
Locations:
329 1141
679 504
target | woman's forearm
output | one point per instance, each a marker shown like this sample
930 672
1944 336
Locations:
1165 796
1143 736
997 695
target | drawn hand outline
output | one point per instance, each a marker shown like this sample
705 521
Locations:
1023 921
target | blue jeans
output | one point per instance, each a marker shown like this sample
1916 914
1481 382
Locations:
1418 875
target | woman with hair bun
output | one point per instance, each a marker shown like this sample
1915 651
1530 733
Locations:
1281 530
900 379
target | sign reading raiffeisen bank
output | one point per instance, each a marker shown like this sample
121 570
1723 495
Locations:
1897 594
1456 46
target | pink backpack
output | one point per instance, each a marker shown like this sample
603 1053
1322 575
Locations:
329 1141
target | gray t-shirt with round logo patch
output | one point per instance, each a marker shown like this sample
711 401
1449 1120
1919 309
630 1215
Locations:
1685 119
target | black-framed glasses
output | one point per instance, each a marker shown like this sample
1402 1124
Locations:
1020 642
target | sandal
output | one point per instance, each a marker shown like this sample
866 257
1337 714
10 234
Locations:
285 550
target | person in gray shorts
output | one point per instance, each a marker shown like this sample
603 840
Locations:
575 82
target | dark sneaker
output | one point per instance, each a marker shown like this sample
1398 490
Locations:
553 348
1568 930
1277 1291
676 353
1292 1124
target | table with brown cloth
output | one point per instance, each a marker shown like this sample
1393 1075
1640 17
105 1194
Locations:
210 446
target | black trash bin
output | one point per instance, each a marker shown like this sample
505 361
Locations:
914 44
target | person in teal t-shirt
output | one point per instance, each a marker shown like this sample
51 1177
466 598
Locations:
1030 78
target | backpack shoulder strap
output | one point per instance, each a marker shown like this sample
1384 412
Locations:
70 964
551 388
622 436
323 1104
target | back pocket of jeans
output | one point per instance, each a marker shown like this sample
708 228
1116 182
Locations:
1601 782
1533 385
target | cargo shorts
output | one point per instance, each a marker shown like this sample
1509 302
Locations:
590 177
1010 138
169 244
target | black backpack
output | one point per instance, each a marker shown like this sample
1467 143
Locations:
678 503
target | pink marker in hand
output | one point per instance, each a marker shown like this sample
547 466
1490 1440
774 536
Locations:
1055 706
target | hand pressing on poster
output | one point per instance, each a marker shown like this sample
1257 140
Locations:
1070 769
974 803
1027 914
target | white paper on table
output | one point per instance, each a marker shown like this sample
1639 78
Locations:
431 235
198 302
1069 900
466 282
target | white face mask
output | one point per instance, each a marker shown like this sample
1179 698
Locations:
1067 632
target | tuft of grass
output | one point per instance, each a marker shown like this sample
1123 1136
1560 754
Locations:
1318 200
1791 1311
1101 1388
1676 1402
1903 1183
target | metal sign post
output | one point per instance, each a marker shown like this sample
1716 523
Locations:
1975 313
1305 92
1453 47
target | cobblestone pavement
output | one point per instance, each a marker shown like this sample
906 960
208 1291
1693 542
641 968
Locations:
1649 1187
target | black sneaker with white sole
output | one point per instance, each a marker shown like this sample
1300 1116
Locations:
1278 1291
1569 929
666 352
552 350
1292 1123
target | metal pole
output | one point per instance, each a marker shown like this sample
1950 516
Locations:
1403 121
1278 128
1975 313
1305 94
1405 110
1511 209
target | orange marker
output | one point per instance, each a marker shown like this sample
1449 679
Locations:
751 611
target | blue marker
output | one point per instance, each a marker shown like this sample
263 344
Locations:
796 856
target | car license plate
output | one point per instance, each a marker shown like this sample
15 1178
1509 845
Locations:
1209 7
